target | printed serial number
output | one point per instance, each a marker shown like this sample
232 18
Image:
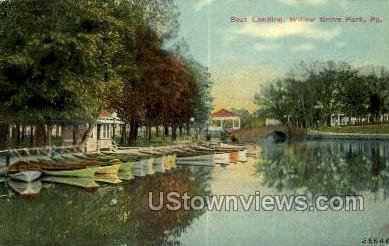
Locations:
375 240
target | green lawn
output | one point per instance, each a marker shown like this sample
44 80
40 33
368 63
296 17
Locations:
366 129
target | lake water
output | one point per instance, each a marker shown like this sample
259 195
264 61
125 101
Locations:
120 215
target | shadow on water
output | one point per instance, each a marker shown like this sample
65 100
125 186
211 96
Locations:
112 215
326 167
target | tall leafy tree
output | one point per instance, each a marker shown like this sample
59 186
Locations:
59 58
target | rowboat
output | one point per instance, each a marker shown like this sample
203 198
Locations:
3 171
125 171
138 169
169 162
126 166
52 166
173 163
80 182
25 189
197 158
81 173
120 156
23 166
126 176
111 169
80 155
242 155
71 157
108 178
158 164
26 176
62 160
223 158
149 170
234 157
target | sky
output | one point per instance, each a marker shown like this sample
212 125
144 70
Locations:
243 56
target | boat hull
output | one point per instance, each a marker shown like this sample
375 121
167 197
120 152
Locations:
108 178
25 189
73 181
26 176
125 171
113 169
79 173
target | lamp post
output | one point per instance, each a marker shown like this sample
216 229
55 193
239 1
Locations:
192 120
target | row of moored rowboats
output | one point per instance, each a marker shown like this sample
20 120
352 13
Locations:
71 167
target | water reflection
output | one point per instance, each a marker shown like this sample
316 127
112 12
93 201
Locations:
113 215
327 167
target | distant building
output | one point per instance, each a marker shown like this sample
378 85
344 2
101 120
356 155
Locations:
223 120
339 119
272 122
101 137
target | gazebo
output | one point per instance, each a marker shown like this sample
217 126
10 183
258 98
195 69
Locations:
223 119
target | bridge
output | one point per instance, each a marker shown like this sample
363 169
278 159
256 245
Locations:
265 131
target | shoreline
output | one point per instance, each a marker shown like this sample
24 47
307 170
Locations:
334 135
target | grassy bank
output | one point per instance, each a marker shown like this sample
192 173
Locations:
362 129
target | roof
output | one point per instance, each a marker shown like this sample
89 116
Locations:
223 113
104 114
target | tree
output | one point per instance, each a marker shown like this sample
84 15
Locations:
310 95
59 67
203 101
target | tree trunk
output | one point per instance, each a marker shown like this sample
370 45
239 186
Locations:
57 131
328 118
40 135
174 133
187 128
45 135
123 134
62 140
134 125
166 130
87 133
31 136
76 134
149 133
18 134
49 131
180 129
157 131
4 128
23 137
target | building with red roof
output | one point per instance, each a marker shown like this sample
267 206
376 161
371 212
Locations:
224 119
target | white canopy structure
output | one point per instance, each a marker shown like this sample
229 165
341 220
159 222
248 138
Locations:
224 119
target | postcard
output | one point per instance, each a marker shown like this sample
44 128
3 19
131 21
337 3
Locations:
194 122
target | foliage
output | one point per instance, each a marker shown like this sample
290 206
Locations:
308 96
59 66
329 168
64 60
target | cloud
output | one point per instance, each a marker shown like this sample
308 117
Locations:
203 3
282 30
303 47
265 47
307 2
